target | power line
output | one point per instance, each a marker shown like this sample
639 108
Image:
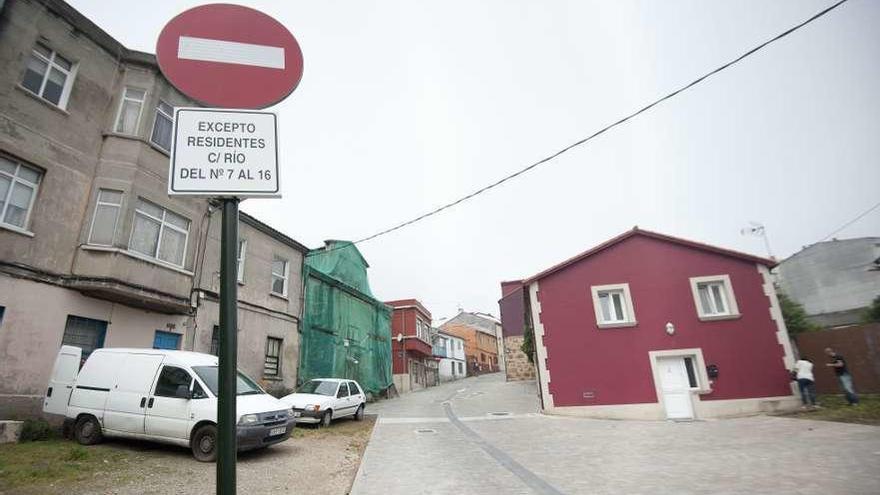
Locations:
854 220
604 129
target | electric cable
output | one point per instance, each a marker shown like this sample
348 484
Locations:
601 131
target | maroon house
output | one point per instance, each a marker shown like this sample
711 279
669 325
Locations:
648 326
413 363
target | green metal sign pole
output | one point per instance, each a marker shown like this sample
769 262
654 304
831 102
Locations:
226 440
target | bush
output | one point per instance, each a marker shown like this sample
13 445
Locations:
34 430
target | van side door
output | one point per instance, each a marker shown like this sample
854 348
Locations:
128 398
63 377
168 407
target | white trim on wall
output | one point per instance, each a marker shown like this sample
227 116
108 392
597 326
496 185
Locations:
540 348
629 321
776 315
732 309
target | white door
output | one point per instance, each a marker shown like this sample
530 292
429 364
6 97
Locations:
168 407
128 397
62 379
344 404
675 388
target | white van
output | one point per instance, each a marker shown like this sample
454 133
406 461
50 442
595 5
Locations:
165 396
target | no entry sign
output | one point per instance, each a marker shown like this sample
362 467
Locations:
224 153
230 56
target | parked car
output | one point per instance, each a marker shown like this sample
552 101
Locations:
164 396
324 399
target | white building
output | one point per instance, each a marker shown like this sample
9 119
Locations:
449 351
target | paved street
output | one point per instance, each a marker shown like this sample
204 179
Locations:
452 439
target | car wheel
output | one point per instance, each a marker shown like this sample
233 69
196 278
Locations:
359 414
204 443
326 418
87 430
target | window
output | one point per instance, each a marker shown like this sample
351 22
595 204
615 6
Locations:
460 368
2 312
166 340
162 126
159 233
85 333
130 111
18 188
279 276
215 340
343 390
713 297
355 389
692 376
272 367
423 330
48 75
106 217
198 392
242 247
613 306
171 378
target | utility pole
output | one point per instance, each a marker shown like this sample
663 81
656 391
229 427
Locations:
226 413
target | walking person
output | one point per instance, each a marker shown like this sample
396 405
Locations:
843 376
803 371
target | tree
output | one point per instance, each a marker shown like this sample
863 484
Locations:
528 345
873 312
795 317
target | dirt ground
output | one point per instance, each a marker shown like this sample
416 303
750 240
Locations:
314 461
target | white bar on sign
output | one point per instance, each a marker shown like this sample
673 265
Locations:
230 52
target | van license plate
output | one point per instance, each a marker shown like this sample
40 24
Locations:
277 431
296 414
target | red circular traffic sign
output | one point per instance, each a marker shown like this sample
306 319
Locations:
230 56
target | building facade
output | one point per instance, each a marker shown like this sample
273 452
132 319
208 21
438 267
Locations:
346 331
449 352
648 326
480 334
93 252
414 365
518 366
835 281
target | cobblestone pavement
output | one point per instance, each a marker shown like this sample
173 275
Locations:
483 435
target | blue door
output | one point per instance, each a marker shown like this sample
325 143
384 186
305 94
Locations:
166 340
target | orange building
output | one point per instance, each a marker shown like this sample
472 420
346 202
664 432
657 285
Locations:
480 346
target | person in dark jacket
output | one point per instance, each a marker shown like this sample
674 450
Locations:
846 382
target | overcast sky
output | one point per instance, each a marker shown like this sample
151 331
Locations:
407 105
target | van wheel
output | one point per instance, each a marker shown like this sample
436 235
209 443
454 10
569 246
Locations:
204 443
326 419
87 430
359 414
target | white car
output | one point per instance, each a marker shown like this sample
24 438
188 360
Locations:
324 399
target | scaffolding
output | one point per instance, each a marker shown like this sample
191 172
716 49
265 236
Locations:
346 331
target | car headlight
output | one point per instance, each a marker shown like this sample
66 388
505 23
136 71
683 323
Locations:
313 407
248 419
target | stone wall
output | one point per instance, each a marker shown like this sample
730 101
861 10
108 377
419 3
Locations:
518 366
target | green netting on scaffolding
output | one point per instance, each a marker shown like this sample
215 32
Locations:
346 332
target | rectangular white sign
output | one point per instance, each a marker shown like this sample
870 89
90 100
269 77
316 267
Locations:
217 152
230 52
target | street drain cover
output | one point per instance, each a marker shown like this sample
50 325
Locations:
499 414
428 431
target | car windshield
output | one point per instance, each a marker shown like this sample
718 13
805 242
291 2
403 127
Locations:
243 386
319 387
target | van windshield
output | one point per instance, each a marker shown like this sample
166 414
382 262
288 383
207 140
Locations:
243 385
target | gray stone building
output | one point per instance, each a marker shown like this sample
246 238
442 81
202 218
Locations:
835 281
93 252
